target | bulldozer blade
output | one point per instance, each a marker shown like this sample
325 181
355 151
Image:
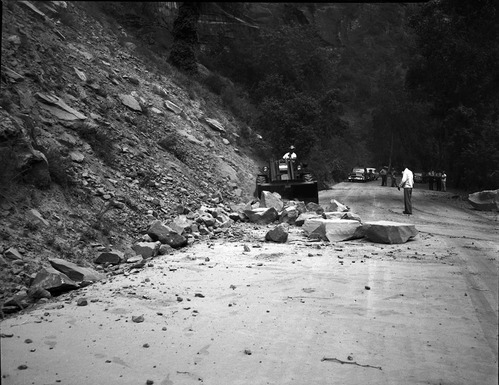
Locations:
301 191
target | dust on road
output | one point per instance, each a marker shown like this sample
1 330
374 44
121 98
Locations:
304 312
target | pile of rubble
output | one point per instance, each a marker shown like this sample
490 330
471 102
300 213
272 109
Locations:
333 223
107 139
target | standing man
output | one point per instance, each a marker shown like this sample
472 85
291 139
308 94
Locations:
394 178
444 181
383 176
438 180
431 179
407 183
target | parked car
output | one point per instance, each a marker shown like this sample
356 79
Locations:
372 174
357 175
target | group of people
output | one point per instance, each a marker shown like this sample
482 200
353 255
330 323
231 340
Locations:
384 173
437 179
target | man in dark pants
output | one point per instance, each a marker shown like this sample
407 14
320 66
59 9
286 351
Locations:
407 183
383 174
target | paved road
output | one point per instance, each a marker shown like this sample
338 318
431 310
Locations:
470 236
304 312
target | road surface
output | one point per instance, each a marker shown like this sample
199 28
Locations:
304 312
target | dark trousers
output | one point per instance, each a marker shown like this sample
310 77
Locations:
407 200
383 180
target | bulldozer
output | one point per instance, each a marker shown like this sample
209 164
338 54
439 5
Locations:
290 179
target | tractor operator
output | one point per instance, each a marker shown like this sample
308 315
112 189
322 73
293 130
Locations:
291 154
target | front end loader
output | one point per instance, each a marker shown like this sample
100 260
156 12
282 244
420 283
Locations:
290 179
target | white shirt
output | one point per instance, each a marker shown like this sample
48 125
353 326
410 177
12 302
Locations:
407 179
289 155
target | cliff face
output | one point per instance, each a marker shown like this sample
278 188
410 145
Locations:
99 136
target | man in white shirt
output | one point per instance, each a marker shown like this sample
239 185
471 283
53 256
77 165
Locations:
407 183
291 154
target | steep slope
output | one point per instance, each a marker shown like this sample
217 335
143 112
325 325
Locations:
122 144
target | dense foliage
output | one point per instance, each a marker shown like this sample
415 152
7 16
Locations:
318 94
456 71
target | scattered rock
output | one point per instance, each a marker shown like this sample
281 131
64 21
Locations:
352 216
271 199
77 156
303 217
315 207
13 254
53 281
80 74
278 234
130 102
58 107
147 249
215 124
75 272
334 205
137 318
81 302
173 107
262 216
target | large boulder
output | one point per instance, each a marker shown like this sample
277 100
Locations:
113 257
278 234
343 230
333 230
147 249
76 273
174 239
389 232
313 227
262 216
271 199
54 281
159 231
487 200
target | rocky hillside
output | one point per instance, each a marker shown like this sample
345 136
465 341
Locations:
98 137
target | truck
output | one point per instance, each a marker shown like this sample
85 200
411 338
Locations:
291 179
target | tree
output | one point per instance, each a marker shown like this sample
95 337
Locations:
185 39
